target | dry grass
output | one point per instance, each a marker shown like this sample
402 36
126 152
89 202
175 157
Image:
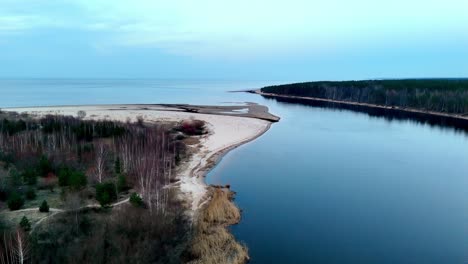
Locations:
191 141
221 210
212 242
13 218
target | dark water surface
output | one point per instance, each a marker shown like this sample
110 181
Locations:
323 185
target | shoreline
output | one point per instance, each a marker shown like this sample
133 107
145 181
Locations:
227 131
215 158
367 105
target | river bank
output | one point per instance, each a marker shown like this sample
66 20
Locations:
454 120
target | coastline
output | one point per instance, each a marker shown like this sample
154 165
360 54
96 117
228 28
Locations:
227 131
375 106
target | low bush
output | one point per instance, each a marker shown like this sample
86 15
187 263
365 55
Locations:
44 166
106 193
73 178
25 224
136 200
192 127
15 201
15 178
29 176
30 194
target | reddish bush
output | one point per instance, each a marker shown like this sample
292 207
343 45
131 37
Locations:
192 127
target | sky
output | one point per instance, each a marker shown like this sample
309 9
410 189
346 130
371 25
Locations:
234 39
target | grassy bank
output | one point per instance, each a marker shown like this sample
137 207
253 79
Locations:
212 242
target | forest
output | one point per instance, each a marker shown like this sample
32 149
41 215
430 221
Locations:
448 96
83 191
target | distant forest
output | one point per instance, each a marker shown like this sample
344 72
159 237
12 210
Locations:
438 95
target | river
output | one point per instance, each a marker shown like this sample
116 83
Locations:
324 185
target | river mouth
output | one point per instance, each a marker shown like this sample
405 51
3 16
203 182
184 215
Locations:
323 185
331 185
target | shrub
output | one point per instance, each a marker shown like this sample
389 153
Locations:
15 178
140 121
77 180
44 166
44 208
63 175
47 183
81 114
15 201
30 194
29 176
4 191
136 200
192 127
74 179
106 193
25 224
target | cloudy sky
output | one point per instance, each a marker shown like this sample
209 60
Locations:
227 39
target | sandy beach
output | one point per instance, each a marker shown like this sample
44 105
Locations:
227 130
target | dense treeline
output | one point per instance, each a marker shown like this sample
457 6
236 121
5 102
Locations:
86 162
438 95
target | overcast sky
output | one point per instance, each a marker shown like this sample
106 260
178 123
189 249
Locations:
227 39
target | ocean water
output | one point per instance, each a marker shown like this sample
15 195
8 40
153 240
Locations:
321 186
43 92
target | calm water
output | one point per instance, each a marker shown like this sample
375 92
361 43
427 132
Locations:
323 185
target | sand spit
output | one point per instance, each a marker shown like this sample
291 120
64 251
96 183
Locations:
228 126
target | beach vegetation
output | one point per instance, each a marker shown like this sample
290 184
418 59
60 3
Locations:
192 127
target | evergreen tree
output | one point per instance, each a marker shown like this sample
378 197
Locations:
118 166
106 193
121 183
44 208
136 200
25 224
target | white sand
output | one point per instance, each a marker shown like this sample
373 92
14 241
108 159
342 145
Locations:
226 132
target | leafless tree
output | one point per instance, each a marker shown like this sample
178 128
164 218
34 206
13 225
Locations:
81 114
14 248
101 155
148 158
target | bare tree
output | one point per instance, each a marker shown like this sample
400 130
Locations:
14 248
101 155
81 114
148 158
21 249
